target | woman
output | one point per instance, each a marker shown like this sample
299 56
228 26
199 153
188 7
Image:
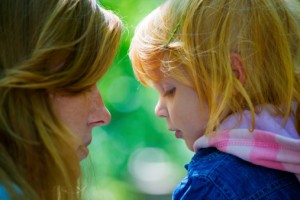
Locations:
52 53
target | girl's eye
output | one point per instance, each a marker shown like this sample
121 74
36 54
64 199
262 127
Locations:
170 92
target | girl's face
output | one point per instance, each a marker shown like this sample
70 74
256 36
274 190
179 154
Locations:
180 106
80 113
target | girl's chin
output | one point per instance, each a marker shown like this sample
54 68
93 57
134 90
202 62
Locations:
190 148
189 145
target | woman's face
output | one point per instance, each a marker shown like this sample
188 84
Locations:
80 113
180 106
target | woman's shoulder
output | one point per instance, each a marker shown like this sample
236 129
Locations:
224 176
10 191
3 193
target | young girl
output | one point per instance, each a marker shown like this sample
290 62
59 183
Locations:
227 75
52 53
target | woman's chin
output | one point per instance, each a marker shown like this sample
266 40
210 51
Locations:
82 152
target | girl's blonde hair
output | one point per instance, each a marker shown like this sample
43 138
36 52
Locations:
191 41
47 46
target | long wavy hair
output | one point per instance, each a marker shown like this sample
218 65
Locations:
191 41
55 45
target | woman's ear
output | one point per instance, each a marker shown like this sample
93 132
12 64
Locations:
237 67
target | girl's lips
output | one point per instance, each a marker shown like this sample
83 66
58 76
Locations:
178 134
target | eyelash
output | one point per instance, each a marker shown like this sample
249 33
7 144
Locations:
170 92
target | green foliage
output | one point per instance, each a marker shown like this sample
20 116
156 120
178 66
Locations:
135 149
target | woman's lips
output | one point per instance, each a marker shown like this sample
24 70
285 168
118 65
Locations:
96 123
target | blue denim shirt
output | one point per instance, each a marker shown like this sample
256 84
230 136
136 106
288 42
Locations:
216 175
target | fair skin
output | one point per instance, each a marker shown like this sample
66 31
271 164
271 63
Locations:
180 106
81 113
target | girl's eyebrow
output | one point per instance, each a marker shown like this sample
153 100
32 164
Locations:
165 83
168 82
158 86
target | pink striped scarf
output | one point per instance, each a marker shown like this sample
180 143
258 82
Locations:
270 144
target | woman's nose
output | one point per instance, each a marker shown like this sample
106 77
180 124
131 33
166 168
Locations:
106 116
99 115
160 110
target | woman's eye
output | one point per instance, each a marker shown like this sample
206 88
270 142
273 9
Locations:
90 89
170 92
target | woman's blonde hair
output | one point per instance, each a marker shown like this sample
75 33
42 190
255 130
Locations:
45 46
191 41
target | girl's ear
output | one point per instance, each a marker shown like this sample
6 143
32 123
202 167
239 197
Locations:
237 67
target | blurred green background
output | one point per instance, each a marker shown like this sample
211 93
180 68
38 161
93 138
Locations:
134 157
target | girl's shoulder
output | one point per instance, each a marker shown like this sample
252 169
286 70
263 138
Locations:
215 174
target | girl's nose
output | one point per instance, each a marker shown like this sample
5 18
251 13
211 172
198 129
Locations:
160 110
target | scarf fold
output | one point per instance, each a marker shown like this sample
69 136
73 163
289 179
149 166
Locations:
270 144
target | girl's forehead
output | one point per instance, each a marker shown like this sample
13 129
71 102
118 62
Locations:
162 85
166 82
